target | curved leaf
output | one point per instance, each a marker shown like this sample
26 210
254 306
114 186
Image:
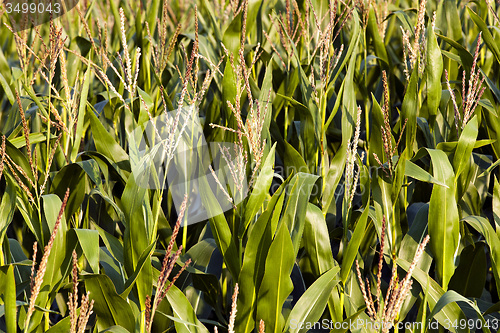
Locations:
316 241
259 192
379 46
106 144
89 241
109 307
296 206
254 261
414 171
183 310
484 227
453 297
488 38
470 275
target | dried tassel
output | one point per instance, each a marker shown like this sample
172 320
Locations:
73 297
380 262
186 264
20 170
58 118
262 326
126 55
26 131
19 182
85 312
167 266
390 291
33 263
368 303
2 156
148 313
274 49
221 187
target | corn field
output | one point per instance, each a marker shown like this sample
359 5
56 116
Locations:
249 166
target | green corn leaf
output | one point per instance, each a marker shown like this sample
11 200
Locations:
231 36
409 111
346 324
316 242
294 161
73 177
295 211
466 57
7 209
6 89
184 311
254 261
443 218
110 308
58 262
114 329
465 145
414 171
349 107
220 228
10 301
20 141
381 188
276 283
452 296
447 16
260 191
337 166
63 326
143 260
135 203
462 158
81 114
375 143
311 304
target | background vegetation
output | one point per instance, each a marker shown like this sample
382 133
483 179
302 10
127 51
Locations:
362 127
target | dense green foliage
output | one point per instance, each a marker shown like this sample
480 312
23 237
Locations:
359 127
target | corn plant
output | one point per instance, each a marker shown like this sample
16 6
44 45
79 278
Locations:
249 166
